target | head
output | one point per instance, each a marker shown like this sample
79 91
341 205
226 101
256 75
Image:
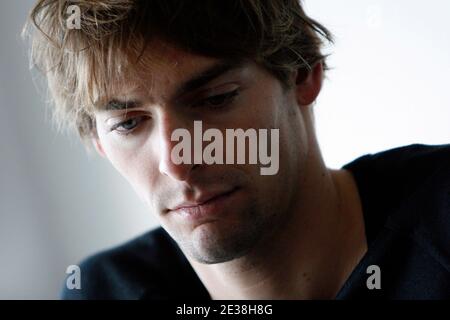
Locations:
138 70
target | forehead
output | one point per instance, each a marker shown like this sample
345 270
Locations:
161 66
162 55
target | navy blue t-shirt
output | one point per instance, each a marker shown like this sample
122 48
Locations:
405 194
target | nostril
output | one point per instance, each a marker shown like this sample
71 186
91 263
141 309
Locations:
179 172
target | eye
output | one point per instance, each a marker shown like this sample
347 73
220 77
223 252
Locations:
217 101
127 126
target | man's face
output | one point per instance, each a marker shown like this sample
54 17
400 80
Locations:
245 207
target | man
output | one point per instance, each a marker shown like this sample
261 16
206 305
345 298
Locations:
135 72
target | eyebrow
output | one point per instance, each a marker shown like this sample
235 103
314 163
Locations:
117 104
197 81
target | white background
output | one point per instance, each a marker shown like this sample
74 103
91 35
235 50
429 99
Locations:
389 87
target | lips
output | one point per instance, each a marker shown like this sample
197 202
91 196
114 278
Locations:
202 200
208 205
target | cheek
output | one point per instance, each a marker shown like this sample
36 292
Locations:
115 153
136 165
265 105
121 151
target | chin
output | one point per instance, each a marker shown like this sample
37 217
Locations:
210 244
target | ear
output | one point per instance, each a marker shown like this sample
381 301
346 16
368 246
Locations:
98 146
309 84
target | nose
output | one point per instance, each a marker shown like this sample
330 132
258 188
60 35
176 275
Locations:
167 125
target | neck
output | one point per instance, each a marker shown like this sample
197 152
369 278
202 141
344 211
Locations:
311 258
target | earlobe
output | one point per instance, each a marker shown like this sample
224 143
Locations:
309 84
98 146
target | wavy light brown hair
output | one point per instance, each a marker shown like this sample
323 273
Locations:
80 65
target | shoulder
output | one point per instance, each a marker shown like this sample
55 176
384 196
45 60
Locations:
398 173
412 162
407 189
130 270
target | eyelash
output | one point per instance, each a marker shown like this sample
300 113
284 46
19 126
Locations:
138 120
227 97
